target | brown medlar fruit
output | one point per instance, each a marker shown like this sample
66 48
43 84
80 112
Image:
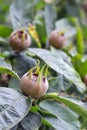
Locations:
20 40
31 86
57 39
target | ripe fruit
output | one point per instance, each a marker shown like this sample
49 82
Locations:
57 39
20 40
34 83
32 87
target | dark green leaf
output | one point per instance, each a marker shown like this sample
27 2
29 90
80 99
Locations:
60 66
21 13
66 119
6 68
23 63
31 122
13 107
59 83
73 103
50 16
14 83
61 54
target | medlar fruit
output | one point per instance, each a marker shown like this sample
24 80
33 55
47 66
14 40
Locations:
20 40
31 86
57 39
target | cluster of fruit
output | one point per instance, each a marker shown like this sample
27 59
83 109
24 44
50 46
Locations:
34 83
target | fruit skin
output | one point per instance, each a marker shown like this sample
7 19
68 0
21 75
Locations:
20 40
31 87
57 39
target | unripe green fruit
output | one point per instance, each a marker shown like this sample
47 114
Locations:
32 87
20 40
57 39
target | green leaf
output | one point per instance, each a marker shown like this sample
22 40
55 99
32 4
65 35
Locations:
66 119
21 13
84 31
14 83
40 27
31 122
62 55
50 16
3 41
13 107
60 66
6 68
59 83
74 104
80 65
23 63
5 31
79 37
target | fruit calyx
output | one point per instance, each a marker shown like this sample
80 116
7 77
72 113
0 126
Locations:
57 39
34 83
20 40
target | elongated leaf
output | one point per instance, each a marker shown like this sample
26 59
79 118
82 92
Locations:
6 68
21 13
60 66
73 104
80 42
50 16
14 83
31 122
58 83
3 40
80 65
13 107
8 71
23 63
5 31
66 119
4 64
62 55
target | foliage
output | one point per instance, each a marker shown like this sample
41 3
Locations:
64 106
